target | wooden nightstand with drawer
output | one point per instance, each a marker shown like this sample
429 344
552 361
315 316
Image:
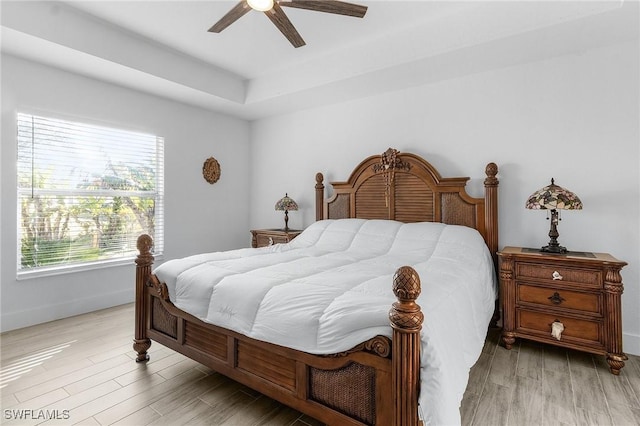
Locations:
268 237
571 300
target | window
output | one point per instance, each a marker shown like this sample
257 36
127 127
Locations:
85 194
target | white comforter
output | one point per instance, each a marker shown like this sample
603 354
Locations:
330 289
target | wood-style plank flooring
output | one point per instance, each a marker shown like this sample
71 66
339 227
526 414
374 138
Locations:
81 370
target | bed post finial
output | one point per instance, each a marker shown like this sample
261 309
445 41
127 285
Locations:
319 196
491 171
144 261
406 321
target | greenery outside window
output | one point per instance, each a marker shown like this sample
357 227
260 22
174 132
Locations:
85 193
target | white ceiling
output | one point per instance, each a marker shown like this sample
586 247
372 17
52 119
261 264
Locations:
251 71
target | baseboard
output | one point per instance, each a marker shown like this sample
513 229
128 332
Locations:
26 318
631 343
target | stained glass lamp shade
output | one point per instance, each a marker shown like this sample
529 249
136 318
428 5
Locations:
286 203
553 197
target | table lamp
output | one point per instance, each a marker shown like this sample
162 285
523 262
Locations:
554 198
286 203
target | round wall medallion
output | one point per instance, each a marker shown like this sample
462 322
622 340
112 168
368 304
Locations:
211 170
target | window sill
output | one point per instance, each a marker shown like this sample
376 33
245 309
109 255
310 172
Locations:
70 269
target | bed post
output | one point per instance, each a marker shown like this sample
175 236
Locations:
319 197
406 321
491 209
143 269
491 225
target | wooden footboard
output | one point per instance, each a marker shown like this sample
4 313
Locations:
375 383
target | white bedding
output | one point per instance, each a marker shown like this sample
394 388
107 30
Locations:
330 289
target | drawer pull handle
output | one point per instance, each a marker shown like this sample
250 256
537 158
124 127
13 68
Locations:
556 276
556 299
556 329
270 241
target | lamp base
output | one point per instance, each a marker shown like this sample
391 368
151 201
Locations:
286 220
553 246
557 249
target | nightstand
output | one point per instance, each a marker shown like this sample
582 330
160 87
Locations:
268 237
576 295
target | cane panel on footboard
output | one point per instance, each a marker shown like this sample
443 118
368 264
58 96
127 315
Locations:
374 383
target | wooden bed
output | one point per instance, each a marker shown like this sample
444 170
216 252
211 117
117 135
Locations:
376 382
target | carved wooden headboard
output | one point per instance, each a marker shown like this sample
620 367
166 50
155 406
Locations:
405 187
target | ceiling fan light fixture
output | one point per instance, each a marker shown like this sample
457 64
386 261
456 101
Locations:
274 12
261 5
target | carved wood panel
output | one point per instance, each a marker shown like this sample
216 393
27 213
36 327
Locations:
370 201
413 200
206 340
275 368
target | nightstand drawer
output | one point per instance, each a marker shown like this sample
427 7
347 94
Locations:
269 237
576 330
269 240
565 299
558 273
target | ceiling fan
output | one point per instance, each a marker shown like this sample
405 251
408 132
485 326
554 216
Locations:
273 10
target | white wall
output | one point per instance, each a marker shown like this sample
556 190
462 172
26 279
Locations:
574 118
199 217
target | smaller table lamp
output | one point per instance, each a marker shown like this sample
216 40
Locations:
554 198
286 203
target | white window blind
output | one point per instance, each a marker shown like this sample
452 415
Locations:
85 193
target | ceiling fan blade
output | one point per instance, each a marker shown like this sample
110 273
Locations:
280 20
328 6
232 16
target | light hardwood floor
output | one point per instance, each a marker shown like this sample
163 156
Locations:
62 368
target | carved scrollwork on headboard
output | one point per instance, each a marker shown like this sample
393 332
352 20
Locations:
389 163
